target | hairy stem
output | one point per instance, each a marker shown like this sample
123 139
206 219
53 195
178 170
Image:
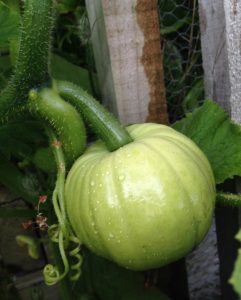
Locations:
32 64
63 118
106 126
228 199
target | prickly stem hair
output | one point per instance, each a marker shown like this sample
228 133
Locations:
106 126
47 106
32 66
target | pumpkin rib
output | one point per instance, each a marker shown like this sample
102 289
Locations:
122 201
180 181
190 153
190 202
188 143
76 207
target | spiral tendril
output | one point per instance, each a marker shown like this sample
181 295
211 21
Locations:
51 274
53 232
75 253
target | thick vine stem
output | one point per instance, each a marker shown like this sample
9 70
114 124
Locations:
228 199
106 126
31 69
61 233
61 116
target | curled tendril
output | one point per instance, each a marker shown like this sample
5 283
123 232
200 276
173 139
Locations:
53 232
31 243
51 274
75 253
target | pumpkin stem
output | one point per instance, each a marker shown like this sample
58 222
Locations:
228 199
105 125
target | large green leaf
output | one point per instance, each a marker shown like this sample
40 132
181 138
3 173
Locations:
19 183
192 99
174 27
20 139
111 282
145 294
220 139
63 70
6 212
5 70
9 24
235 279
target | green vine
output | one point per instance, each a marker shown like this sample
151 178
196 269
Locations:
228 199
61 233
31 69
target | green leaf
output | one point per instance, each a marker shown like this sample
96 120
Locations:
109 281
44 160
219 138
16 213
174 27
235 279
172 61
9 24
145 294
20 139
5 70
17 182
14 147
192 99
61 69
29 132
66 6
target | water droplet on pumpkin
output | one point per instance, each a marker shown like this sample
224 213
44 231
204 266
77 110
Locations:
107 173
111 235
121 177
92 183
100 185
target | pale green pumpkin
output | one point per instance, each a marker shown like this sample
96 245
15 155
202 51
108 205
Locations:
146 204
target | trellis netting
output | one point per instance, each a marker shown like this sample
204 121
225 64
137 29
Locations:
182 60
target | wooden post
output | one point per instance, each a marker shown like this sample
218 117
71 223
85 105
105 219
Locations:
126 43
220 22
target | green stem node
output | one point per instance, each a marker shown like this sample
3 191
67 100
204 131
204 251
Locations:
228 199
62 118
105 125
